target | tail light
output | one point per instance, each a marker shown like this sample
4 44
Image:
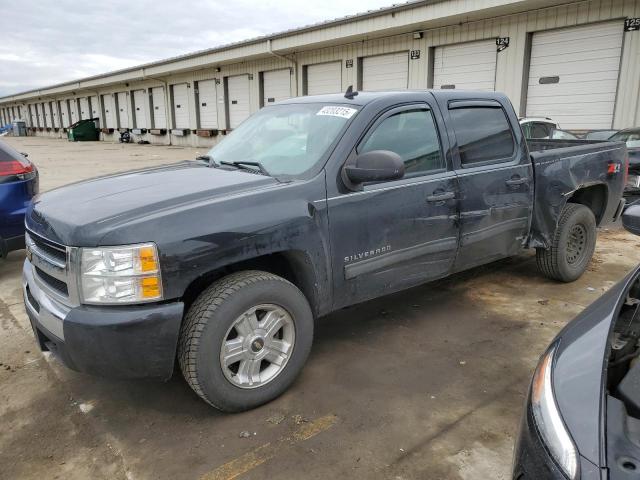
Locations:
626 168
14 168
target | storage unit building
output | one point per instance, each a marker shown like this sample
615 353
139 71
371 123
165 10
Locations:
577 62
238 99
466 66
386 72
207 104
573 75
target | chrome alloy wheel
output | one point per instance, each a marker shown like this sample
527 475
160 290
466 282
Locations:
257 346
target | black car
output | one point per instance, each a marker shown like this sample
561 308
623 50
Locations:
582 416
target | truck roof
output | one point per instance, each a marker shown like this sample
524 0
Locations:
363 98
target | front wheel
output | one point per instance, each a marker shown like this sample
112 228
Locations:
572 245
245 339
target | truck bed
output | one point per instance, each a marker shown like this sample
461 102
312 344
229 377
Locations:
563 166
539 145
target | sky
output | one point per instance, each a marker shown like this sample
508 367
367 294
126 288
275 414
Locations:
45 42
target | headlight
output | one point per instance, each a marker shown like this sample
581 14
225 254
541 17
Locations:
117 275
548 418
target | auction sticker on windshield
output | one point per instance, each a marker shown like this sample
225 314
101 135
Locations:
344 112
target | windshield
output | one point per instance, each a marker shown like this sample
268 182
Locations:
632 138
285 139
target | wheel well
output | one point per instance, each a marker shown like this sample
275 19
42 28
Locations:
594 198
293 266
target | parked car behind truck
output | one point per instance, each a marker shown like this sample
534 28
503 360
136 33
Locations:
311 205
18 185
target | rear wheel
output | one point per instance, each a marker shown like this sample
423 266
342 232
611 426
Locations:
245 339
572 245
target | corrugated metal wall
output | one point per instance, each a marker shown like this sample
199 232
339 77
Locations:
511 66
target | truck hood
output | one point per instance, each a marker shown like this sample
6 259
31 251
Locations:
79 214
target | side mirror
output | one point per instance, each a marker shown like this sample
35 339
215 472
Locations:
376 166
631 218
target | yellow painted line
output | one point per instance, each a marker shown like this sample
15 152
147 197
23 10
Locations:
250 460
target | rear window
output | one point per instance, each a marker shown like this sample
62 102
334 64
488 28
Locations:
483 134
7 153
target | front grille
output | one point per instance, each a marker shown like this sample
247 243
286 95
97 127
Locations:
32 301
52 282
49 248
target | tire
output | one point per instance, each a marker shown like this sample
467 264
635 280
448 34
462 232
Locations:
216 318
572 246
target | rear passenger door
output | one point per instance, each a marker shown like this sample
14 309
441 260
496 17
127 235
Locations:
392 235
495 179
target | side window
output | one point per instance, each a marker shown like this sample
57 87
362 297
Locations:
413 135
483 134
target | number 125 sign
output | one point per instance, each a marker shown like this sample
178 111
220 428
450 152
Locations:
632 24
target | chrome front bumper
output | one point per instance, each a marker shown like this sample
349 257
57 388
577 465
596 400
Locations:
48 312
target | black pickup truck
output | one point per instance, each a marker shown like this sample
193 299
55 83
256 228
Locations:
311 205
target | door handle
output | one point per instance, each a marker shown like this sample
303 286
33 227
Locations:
517 181
441 197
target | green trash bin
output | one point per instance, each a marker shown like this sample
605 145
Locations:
83 131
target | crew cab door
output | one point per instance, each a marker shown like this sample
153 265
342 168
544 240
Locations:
392 235
495 178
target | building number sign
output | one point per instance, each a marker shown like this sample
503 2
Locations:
632 24
415 54
502 43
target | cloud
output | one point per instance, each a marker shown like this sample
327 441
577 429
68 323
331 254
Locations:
47 42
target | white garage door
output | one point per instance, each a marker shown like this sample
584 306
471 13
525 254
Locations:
40 114
159 112
324 78
276 86
123 109
85 111
48 121
573 75
64 113
208 104
386 72
54 112
140 108
95 107
180 106
109 110
466 66
73 110
32 114
238 90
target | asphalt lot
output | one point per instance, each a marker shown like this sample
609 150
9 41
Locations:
427 383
